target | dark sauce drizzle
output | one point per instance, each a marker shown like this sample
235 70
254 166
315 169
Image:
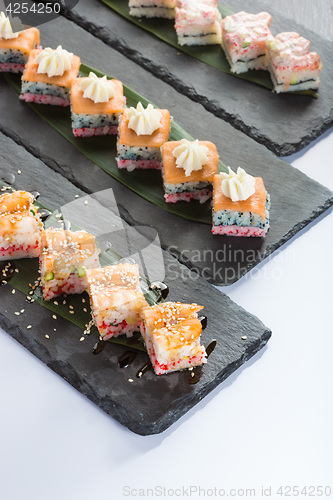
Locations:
7 271
210 348
160 287
144 369
35 194
126 358
99 346
203 321
44 214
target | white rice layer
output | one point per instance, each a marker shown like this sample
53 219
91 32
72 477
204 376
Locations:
167 13
137 153
45 89
13 56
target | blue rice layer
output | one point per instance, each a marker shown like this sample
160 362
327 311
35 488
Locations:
231 218
10 56
45 89
80 120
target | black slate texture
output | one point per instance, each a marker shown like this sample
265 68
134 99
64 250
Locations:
296 199
149 404
284 123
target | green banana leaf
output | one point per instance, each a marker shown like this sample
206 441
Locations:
212 55
102 151
28 274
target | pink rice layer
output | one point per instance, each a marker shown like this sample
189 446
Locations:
91 131
138 164
11 68
19 252
44 99
239 230
202 195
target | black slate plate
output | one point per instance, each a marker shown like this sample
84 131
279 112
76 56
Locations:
147 404
284 123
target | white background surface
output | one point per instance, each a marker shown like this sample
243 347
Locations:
269 424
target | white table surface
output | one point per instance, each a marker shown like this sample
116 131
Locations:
268 425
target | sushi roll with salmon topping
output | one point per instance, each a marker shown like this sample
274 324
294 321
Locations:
116 299
171 332
152 8
291 64
198 22
244 40
20 226
240 205
142 132
15 48
188 169
96 105
65 257
47 76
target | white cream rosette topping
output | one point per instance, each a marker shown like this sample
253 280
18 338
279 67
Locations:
54 62
144 121
190 156
238 187
97 89
6 30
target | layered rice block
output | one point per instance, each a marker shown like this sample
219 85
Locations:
20 226
244 40
116 299
198 185
171 332
198 22
141 151
291 64
14 52
65 257
241 218
90 118
43 89
152 8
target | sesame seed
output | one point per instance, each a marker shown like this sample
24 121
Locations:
130 380
86 202
55 303
28 327
192 374
16 313
85 309
71 312
83 300
19 172
13 291
22 311
54 329
54 316
244 337
81 339
47 336
76 196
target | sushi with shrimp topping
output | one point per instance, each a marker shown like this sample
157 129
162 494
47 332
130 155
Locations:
20 226
171 332
65 257
116 299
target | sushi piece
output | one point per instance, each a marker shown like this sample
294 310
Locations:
47 76
244 40
198 22
291 64
188 169
64 259
152 8
240 205
15 48
116 299
142 132
20 226
96 105
171 332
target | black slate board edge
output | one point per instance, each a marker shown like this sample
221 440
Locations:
168 77
116 411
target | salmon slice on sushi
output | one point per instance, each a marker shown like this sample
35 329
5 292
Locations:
198 22
291 64
171 332
188 169
96 105
244 38
241 205
116 299
142 132
20 226
47 76
152 8
65 257
15 48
